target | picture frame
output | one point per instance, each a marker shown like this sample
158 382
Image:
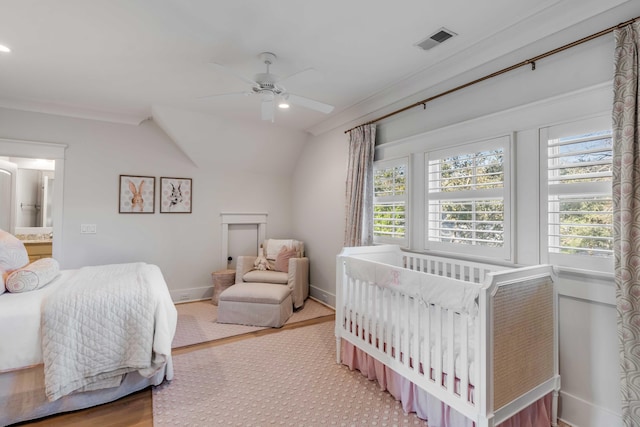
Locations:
137 194
175 195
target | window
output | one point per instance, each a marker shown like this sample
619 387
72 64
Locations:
578 194
467 210
390 202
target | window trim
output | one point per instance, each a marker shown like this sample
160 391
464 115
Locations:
569 261
387 164
504 253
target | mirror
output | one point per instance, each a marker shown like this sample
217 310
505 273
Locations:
8 172
31 204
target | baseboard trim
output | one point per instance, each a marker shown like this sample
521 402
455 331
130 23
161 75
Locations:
580 413
190 295
323 296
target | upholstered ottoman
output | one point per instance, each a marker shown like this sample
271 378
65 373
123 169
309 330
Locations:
255 304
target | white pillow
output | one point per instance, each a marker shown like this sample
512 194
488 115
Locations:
34 276
13 254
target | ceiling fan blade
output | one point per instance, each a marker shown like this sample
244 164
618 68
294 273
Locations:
222 95
306 77
310 103
233 73
267 109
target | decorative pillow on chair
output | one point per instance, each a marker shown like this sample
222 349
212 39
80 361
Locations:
34 276
282 259
13 254
274 246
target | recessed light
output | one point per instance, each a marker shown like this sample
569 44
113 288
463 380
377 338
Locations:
4 49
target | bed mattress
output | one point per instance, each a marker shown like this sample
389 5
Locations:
20 344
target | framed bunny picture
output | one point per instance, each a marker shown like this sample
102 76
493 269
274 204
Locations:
175 195
137 194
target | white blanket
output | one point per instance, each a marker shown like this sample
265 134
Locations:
107 321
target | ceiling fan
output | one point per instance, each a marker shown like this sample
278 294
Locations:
271 89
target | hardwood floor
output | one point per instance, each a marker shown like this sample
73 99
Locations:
133 410
136 410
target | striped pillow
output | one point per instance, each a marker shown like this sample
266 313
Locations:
34 276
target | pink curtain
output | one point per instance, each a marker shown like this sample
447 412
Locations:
359 197
626 216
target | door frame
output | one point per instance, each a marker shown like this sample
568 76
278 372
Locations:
232 218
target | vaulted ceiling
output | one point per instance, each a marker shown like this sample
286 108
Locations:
119 59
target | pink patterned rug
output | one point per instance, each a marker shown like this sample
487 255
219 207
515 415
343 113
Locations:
288 378
197 322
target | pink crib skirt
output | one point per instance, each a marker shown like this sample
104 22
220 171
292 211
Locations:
427 407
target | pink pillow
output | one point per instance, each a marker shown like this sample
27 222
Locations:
282 259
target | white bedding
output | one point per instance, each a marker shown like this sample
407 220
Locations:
106 321
20 316
20 344
454 295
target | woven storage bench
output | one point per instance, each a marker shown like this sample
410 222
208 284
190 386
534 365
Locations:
255 304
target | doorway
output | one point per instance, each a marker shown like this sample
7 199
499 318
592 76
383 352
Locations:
243 240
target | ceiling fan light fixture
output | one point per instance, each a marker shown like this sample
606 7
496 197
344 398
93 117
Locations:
283 104
4 49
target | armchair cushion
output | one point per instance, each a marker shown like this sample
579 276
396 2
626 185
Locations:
266 276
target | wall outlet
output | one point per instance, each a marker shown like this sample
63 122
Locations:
88 229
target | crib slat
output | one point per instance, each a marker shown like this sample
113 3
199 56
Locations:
374 314
359 309
426 344
388 323
418 335
464 356
349 305
437 369
405 330
451 353
366 321
397 324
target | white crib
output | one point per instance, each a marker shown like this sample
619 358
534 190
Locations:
406 310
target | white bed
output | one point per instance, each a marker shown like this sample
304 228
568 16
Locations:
398 313
129 301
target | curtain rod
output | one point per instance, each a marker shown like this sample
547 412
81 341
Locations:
531 61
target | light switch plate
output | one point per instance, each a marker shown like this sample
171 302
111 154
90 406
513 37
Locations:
88 229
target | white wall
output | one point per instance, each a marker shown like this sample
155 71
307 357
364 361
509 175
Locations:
185 246
565 87
318 209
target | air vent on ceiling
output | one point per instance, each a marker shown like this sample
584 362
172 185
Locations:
435 39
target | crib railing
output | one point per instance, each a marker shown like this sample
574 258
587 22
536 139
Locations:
420 340
467 271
